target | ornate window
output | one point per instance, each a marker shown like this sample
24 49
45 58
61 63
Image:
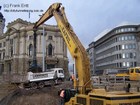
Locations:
0 45
11 51
50 48
30 50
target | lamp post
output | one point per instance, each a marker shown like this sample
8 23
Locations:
43 49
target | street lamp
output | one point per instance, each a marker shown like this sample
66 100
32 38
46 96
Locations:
43 49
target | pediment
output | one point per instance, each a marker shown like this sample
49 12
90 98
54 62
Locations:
11 30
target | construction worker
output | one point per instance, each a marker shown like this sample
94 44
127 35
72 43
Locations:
62 95
72 77
128 87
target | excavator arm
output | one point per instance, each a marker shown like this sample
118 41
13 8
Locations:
48 14
78 52
75 47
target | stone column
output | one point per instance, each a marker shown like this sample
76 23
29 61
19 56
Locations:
24 52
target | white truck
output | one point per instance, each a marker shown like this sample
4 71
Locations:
38 80
59 73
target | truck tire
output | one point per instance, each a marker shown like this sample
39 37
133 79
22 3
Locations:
52 83
33 85
41 84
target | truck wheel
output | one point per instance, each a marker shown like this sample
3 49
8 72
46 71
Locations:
41 84
56 81
52 82
33 85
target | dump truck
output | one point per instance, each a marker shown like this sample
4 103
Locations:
39 80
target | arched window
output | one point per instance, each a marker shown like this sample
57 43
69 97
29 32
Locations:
11 51
50 49
30 50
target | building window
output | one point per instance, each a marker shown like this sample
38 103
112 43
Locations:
133 37
134 55
126 38
123 46
11 41
30 50
120 56
3 55
123 55
1 68
135 64
123 37
134 46
0 45
120 64
127 46
126 55
130 37
4 44
11 51
0 56
119 47
9 67
50 50
50 37
124 64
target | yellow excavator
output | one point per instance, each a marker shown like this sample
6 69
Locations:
84 93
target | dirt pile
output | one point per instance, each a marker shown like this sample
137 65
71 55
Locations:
45 96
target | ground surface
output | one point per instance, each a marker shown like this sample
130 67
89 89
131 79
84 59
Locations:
45 96
49 95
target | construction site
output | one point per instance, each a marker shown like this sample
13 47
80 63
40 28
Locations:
54 85
10 94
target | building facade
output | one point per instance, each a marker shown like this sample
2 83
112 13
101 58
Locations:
90 52
16 48
117 49
2 23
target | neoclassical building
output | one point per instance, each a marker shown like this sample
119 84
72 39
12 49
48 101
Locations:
16 48
2 23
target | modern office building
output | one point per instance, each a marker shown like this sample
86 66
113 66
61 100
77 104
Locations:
16 48
90 52
117 49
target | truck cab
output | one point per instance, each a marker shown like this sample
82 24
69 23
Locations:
59 73
134 73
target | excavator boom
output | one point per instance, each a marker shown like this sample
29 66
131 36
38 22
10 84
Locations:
86 95
75 47
48 14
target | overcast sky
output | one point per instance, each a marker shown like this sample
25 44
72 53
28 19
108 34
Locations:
87 17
